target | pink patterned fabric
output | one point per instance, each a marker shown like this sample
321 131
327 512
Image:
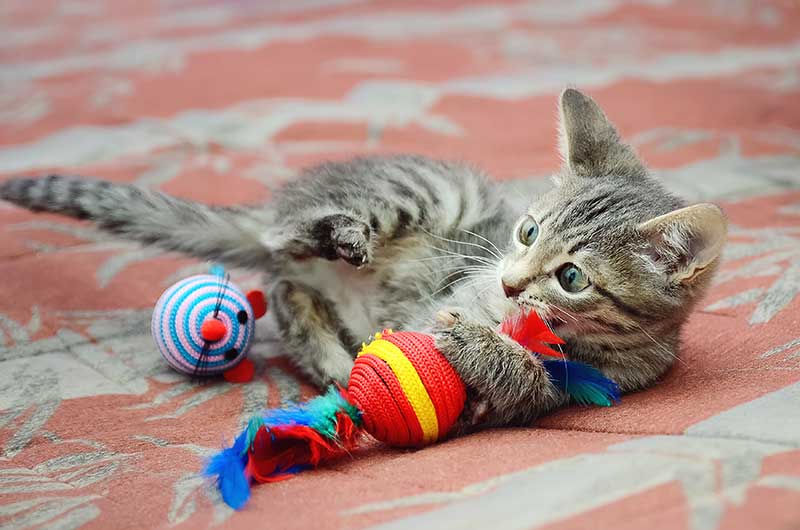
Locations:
222 100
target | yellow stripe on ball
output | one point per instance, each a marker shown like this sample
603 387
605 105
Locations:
410 382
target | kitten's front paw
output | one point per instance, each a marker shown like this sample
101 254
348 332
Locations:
448 317
352 244
340 236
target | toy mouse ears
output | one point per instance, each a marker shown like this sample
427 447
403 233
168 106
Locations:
244 371
258 302
256 297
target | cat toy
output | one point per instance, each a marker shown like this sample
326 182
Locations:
402 391
204 326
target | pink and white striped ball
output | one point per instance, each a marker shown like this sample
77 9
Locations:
203 325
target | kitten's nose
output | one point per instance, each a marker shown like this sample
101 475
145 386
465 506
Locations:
511 292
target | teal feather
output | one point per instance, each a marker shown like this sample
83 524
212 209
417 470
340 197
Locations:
255 423
583 383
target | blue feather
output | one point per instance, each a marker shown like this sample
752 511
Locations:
228 467
585 384
319 413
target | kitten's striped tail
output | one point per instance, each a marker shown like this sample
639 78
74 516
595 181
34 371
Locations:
153 218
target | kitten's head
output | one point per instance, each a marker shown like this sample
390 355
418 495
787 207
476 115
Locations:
608 251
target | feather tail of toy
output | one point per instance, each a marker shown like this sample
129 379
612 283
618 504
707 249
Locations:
228 466
585 384
279 443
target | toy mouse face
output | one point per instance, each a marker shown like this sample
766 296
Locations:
204 325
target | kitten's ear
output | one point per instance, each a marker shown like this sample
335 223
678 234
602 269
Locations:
589 143
687 241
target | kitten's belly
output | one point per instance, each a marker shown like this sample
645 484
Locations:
354 293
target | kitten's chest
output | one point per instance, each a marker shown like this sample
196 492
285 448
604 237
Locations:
354 294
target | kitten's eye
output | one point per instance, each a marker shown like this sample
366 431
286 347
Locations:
572 278
528 231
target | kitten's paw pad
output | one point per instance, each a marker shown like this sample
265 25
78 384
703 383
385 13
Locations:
343 237
448 317
352 244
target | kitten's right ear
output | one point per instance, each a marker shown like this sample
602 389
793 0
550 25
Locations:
686 242
590 144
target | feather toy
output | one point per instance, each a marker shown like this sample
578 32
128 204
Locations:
402 391
585 384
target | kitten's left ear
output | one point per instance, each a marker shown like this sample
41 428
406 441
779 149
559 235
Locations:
687 241
590 144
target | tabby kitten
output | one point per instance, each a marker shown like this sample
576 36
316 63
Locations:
610 259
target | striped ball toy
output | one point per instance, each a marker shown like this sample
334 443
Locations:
407 392
203 325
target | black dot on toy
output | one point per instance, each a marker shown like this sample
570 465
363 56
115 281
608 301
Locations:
231 354
241 316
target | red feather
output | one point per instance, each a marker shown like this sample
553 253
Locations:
532 333
279 452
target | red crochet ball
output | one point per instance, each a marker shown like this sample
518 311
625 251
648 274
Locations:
408 393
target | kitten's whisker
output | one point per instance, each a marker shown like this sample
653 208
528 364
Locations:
427 258
467 272
472 279
456 280
499 252
470 267
456 242
477 259
661 346
481 259
480 293
566 314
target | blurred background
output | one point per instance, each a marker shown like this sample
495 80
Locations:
222 101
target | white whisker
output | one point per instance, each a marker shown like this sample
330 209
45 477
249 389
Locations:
456 242
467 272
479 259
472 279
480 293
566 314
660 346
500 252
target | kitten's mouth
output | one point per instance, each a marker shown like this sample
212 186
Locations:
547 315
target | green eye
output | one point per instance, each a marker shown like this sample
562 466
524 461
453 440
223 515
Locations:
528 231
572 278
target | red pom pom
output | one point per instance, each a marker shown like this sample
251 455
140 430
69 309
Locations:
212 330
241 373
257 302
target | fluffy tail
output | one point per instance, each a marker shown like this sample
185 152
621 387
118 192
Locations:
153 218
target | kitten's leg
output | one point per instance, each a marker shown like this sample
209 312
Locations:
331 236
509 385
312 333
254 237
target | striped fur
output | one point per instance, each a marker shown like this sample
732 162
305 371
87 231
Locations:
377 242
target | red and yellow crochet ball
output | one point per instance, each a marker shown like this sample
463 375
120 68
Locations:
408 393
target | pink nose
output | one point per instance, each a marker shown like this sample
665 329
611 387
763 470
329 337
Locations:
212 330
